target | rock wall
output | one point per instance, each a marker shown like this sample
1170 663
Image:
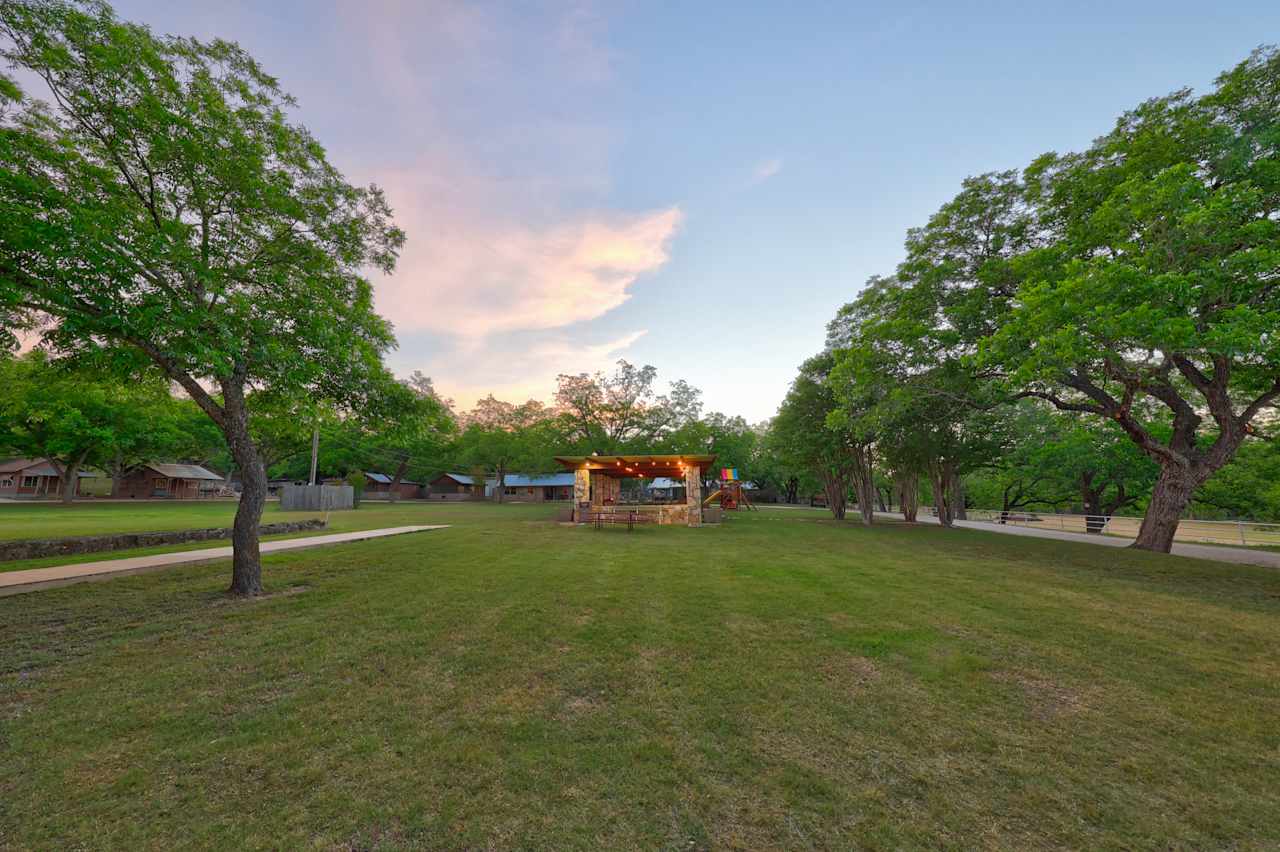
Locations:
36 548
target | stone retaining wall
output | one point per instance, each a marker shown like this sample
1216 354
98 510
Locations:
36 548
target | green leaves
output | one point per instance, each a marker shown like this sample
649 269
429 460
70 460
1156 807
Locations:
1137 281
166 202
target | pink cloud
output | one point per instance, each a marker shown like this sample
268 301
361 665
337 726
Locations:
765 169
480 275
489 370
499 173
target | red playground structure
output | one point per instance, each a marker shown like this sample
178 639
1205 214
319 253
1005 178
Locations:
731 493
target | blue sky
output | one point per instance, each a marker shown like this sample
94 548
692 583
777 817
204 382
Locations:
696 186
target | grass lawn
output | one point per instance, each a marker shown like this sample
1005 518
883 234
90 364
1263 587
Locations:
52 520
778 681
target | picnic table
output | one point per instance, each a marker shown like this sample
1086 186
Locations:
630 517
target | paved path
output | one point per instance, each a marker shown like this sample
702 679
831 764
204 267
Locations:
33 579
1238 555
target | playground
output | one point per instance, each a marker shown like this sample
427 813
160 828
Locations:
732 493
668 489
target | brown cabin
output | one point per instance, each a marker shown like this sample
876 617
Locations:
32 478
452 486
159 480
377 486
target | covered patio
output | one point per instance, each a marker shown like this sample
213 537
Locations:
597 484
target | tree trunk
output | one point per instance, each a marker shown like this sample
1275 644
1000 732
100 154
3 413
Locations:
246 561
394 494
793 486
1091 503
1094 520
955 494
499 483
864 485
117 474
1170 496
938 479
837 490
909 495
71 477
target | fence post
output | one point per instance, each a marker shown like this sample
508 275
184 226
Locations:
1240 528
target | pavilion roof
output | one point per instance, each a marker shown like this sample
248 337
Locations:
639 465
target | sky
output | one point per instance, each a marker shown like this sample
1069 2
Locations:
696 186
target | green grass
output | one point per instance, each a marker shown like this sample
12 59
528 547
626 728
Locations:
51 520
774 682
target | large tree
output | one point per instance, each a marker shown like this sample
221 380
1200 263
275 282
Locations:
499 437
62 414
164 203
1155 297
612 412
809 433
900 373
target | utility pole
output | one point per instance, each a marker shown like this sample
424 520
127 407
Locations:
315 452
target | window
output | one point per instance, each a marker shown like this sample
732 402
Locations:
509 491
6 481
30 481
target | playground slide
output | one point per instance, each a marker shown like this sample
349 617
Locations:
714 496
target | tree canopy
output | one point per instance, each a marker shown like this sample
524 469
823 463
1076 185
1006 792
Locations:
162 206
1133 284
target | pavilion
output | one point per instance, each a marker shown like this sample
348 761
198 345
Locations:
597 483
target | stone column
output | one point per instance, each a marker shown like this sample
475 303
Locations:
581 491
693 494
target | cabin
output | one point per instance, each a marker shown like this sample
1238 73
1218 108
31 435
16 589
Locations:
277 484
539 488
452 486
664 489
164 481
377 485
32 479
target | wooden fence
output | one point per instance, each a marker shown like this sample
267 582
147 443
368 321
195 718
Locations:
316 498
1240 533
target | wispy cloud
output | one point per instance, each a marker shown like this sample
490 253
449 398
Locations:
765 169
479 275
503 189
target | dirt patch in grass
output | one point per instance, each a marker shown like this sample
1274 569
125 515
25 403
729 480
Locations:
851 672
1046 698
283 593
580 706
840 619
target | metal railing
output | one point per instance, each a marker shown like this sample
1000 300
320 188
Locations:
1239 533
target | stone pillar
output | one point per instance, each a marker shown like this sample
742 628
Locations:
693 494
581 491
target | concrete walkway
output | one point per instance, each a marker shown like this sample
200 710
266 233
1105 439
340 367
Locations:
1238 555
33 579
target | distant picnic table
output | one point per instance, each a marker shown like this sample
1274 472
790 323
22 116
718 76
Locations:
631 517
